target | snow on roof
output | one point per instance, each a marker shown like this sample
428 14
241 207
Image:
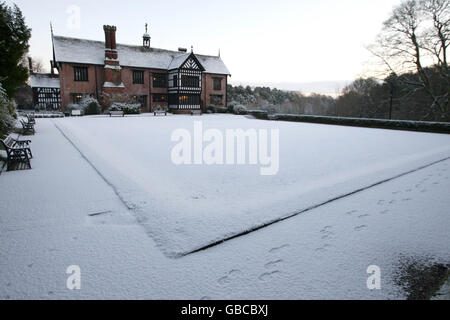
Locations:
44 80
93 52
177 61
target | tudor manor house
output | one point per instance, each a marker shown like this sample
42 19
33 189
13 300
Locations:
180 81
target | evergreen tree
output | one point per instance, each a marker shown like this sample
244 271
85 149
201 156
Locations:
14 37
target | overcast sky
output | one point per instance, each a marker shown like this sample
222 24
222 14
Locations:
260 41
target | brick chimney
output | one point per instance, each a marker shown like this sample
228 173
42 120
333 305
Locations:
52 68
113 72
30 65
112 64
110 42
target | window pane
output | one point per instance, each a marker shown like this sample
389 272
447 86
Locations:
81 73
138 77
159 80
217 84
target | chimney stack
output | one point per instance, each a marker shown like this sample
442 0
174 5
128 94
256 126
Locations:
110 42
52 68
113 73
30 65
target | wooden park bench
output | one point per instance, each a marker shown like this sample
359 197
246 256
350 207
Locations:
75 113
117 113
159 110
31 119
19 144
17 151
28 128
196 112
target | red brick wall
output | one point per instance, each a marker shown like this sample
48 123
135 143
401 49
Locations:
69 85
96 75
208 89
143 89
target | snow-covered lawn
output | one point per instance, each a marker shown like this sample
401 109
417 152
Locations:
125 214
185 208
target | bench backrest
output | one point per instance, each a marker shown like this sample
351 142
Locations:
7 148
9 141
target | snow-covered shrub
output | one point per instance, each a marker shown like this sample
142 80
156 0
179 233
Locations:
7 113
239 109
90 106
215 109
73 106
127 108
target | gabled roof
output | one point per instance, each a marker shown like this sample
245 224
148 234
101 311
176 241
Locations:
182 60
44 80
93 52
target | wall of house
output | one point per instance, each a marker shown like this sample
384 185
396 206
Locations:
96 76
157 90
70 86
208 89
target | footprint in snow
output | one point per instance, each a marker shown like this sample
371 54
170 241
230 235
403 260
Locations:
269 275
324 247
327 230
360 228
351 212
229 277
273 264
363 216
276 249
385 211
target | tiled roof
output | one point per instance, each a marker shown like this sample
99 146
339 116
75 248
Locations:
44 80
93 52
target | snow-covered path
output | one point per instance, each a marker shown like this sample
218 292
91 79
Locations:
45 226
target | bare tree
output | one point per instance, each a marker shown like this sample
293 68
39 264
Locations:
414 38
437 38
38 66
